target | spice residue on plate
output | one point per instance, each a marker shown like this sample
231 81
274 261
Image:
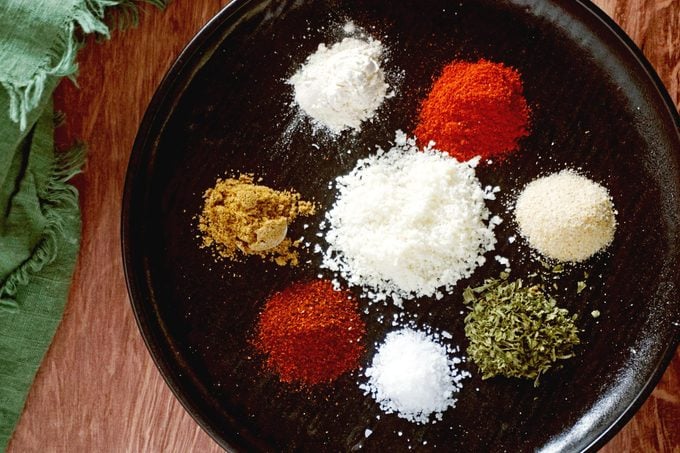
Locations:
517 330
475 109
343 85
566 216
240 218
409 223
414 375
310 333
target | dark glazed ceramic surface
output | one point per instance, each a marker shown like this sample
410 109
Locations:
224 108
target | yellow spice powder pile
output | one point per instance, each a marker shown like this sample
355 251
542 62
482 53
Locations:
241 218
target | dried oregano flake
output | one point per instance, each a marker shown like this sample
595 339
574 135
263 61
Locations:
516 330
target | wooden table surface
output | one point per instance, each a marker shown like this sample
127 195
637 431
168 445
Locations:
98 389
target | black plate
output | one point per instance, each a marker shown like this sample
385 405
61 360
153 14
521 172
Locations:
224 108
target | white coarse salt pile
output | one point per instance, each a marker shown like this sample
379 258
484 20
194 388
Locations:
566 216
408 223
413 375
343 85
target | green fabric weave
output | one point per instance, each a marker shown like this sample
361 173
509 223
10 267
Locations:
39 213
42 198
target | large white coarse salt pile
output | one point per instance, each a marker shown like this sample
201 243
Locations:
413 375
343 85
566 216
409 223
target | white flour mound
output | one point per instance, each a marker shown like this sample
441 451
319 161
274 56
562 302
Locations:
341 86
408 223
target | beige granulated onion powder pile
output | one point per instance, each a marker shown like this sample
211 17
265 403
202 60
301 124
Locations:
566 216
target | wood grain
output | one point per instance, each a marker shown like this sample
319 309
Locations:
98 389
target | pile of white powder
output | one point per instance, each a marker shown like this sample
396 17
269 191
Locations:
408 223
343 85
413 375
566 216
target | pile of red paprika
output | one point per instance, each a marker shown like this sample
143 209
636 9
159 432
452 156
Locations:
475 109
310 333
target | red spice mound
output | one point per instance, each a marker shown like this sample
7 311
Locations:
310 333
475 109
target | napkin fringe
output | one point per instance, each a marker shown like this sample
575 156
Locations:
128 12
88 15
57 196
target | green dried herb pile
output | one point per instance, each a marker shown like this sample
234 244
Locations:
516 330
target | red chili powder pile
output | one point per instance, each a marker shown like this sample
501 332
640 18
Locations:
310 333
475 109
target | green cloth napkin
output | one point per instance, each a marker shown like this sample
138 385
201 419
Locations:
39 213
